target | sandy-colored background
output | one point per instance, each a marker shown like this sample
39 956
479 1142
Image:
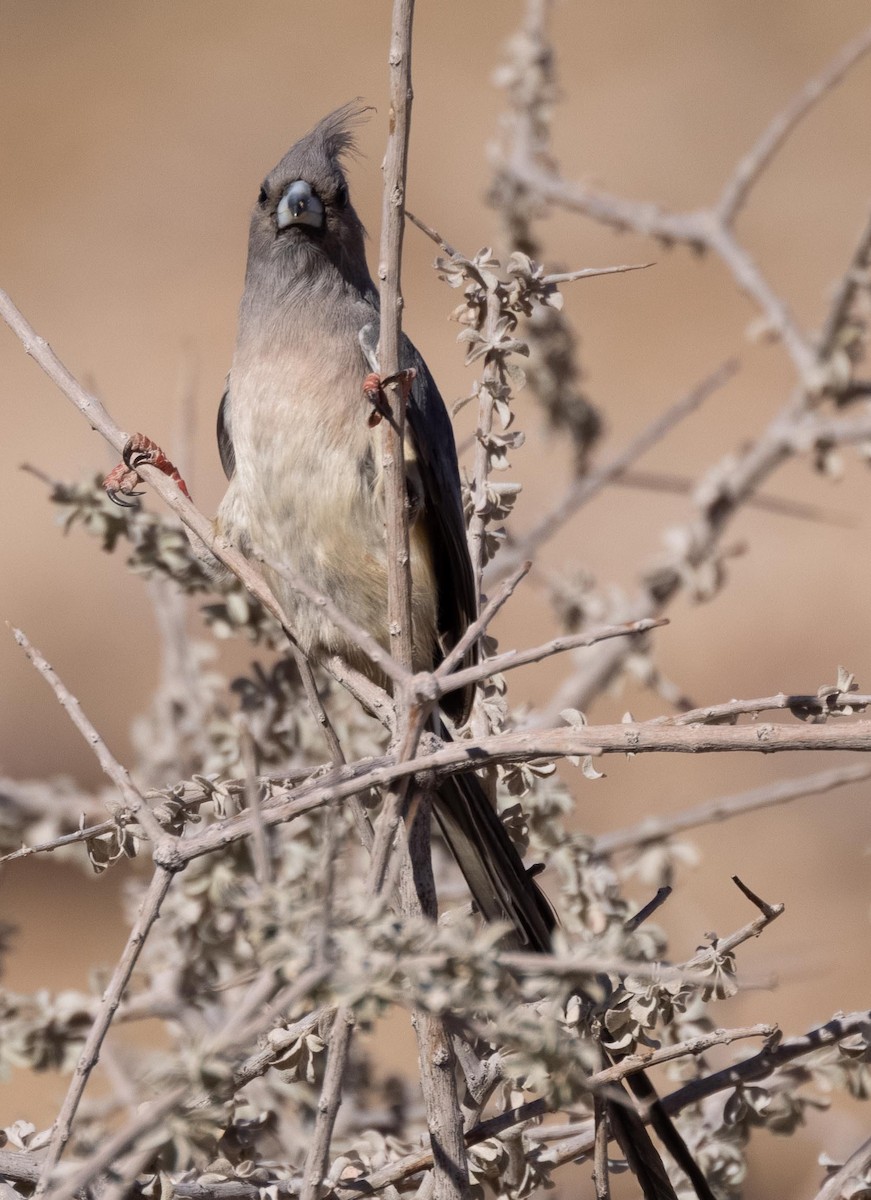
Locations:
134 138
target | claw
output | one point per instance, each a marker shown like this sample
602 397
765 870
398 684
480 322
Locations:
138 451
117 497
373 390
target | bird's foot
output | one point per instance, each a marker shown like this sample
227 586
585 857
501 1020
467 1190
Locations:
373 390
121 483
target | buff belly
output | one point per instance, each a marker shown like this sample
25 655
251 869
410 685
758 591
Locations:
307 493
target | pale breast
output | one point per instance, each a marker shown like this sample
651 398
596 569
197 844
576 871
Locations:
306 492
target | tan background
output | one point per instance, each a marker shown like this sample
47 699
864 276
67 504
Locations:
134 138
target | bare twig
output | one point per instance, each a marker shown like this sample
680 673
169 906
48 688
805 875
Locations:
854 278
764 1064
148 914
593 272
855 1169
111 767
526 745
600 1152
259 839
488 612
582 490
654 829
328 1104
389 275
801 705
522 658
772 138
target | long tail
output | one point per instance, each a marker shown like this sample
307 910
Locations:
503 890
491 865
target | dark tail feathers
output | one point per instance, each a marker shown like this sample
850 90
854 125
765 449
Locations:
504 891
490 862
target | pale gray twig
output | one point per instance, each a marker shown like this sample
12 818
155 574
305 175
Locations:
111 767
148 913
854 1171
488 612
582 490
748 170
784 791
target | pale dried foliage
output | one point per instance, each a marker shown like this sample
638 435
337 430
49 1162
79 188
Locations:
269 926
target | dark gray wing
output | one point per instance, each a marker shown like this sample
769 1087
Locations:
225 439
433 436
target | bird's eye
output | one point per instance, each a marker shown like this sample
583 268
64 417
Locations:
264 195
341 199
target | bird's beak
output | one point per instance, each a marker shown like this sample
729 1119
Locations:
299 206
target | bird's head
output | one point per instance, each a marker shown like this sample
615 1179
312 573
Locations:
303 212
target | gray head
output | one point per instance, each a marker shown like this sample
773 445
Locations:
303 221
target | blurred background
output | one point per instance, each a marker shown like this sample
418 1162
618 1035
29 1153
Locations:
134 138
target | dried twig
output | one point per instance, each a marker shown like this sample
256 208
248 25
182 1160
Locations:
854 1170
119 775
655 829
749 169
582 490
148 914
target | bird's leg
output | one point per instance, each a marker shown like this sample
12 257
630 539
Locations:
373 390
121 482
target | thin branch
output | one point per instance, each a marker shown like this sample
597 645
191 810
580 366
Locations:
432 234
854 278
526 745
330 1098
389 274
488 612
804 706
656 829
854 1170
260 841
600 1151
764 1064
522 658
758 1067
148 914
112 769
725 945
582 490
747 173
593 272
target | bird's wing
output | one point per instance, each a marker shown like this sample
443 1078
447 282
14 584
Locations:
436 459
433 435
225 437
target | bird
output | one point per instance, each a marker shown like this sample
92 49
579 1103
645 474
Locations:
302 457
303 462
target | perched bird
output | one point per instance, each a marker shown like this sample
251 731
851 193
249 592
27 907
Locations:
303 460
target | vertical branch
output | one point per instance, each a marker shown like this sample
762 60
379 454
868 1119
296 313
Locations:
392 398
435 1052
444 1118
493 379
90 1054
389 266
